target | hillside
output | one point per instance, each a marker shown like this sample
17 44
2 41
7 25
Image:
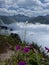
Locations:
7 42
28 54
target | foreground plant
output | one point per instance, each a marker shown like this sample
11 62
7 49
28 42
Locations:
26 56
21 63
47 49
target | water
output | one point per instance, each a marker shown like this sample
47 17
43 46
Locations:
38 33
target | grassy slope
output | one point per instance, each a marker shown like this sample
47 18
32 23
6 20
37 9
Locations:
9 42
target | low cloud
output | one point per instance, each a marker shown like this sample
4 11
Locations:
38 33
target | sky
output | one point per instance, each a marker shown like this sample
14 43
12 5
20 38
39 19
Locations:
29 8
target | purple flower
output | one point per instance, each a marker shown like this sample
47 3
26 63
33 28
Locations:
21 63
30 45
47 49
18 47
26 50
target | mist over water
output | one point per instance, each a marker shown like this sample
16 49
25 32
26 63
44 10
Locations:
38 33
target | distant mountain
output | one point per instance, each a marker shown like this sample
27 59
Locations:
40 19
6 19
20 18
15 18
23 18
47 16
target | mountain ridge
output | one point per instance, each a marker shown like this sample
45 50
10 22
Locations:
23 18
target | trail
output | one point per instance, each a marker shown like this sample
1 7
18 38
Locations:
6 55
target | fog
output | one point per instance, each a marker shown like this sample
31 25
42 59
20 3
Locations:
38 33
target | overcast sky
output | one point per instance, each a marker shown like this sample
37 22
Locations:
26 7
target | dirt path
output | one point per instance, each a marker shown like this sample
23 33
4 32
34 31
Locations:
6 55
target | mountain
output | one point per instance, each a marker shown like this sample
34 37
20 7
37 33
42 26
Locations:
20 18
12 19
40 19
47 16
6 19
23 18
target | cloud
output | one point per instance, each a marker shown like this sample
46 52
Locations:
26 7
4 11
38 33
46 0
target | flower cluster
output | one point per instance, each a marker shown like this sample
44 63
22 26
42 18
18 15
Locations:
18 47
25 49
25 55
47 49
21 63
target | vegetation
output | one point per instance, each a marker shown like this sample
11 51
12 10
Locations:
7 42
24 53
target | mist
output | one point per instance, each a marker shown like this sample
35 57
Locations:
38 33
